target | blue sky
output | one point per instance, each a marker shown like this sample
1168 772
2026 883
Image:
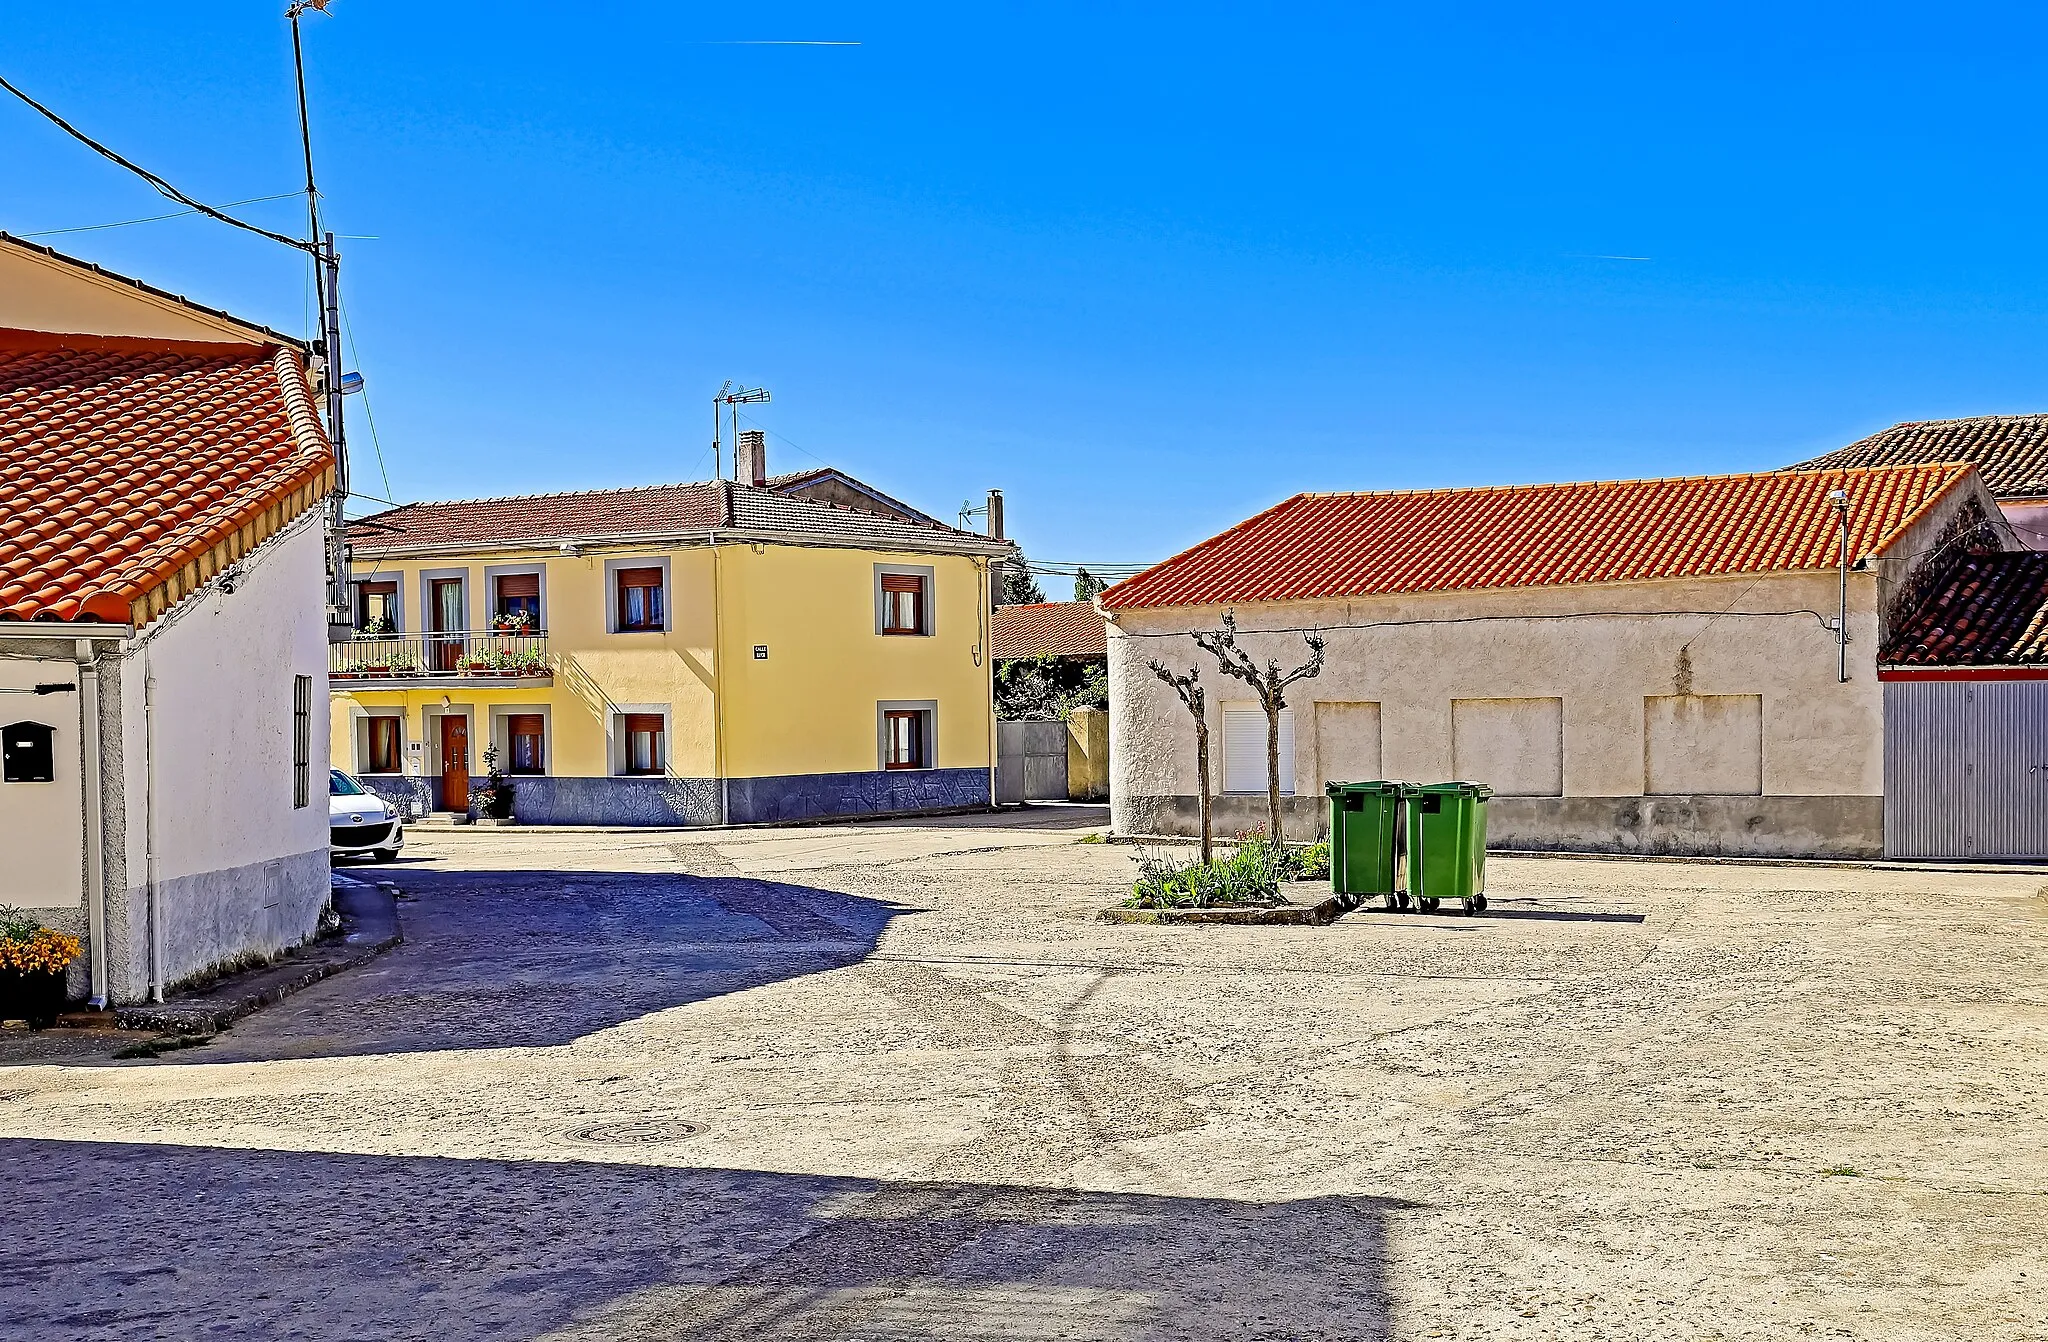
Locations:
1147 269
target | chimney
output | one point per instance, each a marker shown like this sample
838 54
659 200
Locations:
753 458
995 514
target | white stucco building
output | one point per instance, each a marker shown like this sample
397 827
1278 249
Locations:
1632 666
162 627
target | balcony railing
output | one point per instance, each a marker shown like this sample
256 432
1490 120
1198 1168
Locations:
466 655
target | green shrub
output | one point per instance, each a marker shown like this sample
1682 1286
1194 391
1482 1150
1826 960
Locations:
1312 861
1251 876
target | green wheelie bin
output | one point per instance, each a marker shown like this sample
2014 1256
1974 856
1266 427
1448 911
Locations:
1365 826
1447 844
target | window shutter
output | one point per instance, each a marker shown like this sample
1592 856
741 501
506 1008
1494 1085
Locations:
902 582
633 577
513 585
378 588
1244 750
526 724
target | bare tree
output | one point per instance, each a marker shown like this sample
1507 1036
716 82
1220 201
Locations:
1270 685
1189 688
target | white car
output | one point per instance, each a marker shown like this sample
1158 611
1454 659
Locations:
359 822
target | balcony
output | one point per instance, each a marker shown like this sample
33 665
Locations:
405 661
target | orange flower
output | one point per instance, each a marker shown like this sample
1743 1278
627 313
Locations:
46 951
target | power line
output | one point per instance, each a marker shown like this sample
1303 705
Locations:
356 354
153 218
163 188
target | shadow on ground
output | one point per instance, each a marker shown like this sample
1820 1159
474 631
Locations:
187 1242
502 959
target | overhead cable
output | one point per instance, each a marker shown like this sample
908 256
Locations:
162 187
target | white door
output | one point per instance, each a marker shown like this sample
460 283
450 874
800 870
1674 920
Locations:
1244 750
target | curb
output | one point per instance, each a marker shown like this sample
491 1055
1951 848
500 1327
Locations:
369 928
1320 914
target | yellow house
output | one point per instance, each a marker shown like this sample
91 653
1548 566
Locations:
691 654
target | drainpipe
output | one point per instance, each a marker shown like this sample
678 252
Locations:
95 824
1840 498
156 919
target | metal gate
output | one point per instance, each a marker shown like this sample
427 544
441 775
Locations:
1966 768
1031 761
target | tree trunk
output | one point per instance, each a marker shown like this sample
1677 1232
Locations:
1273 772
1202 768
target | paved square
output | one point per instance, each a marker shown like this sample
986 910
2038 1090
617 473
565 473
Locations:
894 1081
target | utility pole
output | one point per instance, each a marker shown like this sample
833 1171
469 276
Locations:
327 287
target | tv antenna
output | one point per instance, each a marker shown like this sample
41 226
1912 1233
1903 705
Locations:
730 395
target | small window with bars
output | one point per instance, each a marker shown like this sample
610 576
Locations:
641 607
302 741
903 603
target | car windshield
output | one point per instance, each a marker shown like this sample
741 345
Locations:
340 784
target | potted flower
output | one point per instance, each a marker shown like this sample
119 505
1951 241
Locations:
513 622
494 798
32 963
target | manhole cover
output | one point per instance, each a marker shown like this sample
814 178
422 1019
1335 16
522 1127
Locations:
634 1132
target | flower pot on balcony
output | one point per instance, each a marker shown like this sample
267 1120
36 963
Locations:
34 997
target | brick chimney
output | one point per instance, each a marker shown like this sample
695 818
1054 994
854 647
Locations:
753 458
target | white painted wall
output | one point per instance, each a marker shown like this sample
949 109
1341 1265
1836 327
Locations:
1473 699
235 867
42 825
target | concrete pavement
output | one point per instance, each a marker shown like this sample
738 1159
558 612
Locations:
896 1082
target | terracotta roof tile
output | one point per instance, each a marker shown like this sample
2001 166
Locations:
1987 610
122 460
2011 451
1051 628
1321 546
643 510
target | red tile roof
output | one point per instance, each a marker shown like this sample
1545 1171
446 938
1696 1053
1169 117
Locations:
649 511
123 461
2010 451
1052 628
1320 546
1987 610
662 509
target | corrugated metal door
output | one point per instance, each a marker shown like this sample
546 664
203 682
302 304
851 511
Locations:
1966 769
1031 761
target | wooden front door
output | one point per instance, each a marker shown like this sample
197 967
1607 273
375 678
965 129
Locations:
454 762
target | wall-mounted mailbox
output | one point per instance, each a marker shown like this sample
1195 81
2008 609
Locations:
27 753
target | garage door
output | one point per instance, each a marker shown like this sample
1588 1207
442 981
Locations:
1966 769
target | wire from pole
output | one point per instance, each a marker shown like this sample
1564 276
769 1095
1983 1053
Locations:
162 187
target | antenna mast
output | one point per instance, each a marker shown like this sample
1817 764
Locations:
327 366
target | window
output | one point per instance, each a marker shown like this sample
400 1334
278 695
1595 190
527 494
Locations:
376 607
903 602
28 751
385 752
903 739
643 742
516 602
302 740
528 735
640 604
1244 750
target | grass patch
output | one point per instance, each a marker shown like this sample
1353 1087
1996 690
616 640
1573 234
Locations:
1095 837
1843 1172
